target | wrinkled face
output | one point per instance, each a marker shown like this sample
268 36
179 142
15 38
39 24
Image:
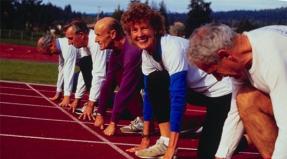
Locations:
225 67
143 35
51 49
77 39
104 37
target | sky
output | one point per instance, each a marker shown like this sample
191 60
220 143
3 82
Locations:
180 6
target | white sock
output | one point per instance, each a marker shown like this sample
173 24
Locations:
165 140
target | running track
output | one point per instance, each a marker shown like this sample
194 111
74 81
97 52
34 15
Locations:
31 126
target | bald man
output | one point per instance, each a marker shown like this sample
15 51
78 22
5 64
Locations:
124 71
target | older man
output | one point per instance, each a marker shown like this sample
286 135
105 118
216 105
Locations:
167 77
124 71
257 61
68 57
81 36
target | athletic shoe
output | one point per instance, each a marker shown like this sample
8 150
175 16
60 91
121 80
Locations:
155 151
136 126
79 111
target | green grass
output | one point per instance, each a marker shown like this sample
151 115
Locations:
34 72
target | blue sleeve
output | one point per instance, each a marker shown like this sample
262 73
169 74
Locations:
147 109
177 88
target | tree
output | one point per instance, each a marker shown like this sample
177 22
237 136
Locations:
199 14
118 13
245 25
146 2
163 11
7 11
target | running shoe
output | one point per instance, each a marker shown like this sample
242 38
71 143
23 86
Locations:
155 151
136 126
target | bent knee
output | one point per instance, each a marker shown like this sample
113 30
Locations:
250 99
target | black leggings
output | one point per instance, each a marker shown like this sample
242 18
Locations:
86 67
158 93
217 110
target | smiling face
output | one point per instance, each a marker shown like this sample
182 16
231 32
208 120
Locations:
104 36
143 35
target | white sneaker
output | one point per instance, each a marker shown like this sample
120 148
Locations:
80 111
136 126
155 151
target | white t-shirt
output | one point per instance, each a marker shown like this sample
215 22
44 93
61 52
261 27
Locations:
99 59
174 60
268 73
66 67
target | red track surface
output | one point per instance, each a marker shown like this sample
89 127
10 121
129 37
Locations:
10 51
31 126
34 127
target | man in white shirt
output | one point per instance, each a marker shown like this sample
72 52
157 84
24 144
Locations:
68 56
257 61
81 36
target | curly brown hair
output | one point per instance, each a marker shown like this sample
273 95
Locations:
140 12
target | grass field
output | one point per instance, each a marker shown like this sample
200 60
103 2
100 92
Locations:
33 72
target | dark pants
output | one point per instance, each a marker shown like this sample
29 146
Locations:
75 81
158 91
86 67
217 110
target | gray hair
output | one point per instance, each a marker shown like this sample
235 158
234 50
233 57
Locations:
46 41
177 29
207 40
79 25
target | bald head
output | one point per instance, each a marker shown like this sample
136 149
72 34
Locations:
109 23
108 33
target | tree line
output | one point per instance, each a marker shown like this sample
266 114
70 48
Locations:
33 15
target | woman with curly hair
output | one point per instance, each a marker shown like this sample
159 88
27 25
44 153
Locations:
168 80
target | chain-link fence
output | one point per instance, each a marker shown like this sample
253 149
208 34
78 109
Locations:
20 35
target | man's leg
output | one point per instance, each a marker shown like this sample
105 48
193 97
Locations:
256 112
86 67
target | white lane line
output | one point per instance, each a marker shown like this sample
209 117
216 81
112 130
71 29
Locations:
26 89
189 110
126 155
37 84
69 121
195 149
28 105
33 105
9 94
63 139
45 119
